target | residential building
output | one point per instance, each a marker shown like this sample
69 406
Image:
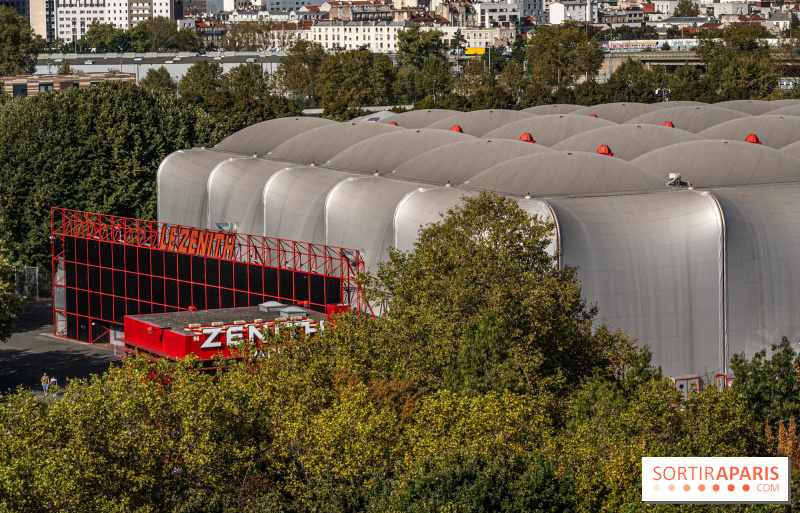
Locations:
479 37
570 10
31 85
43 18
497 14
379 36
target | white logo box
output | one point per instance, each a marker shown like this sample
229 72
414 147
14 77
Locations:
716 481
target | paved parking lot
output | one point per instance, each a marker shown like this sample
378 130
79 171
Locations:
33 350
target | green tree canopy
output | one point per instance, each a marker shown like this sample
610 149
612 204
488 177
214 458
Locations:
686 9
739 62
95 149
18 44
10 304
414 45
297 72
560 54
159 80
355 79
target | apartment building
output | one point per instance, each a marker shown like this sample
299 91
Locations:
378 36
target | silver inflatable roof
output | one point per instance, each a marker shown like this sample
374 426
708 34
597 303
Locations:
480 122
626 142
457 162
384 153
264 137
751 107
692 119
775 131
561 173
722 163
555 108
549 130
419 118
320 144
618 112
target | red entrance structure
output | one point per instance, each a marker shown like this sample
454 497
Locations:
106 267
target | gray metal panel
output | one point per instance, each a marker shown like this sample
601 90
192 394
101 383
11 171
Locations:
751 107
719 163
549 130
627 141
619 112
763 259
692 119
264 137
457 162
359 214
320 144
775 131
556 108
384 153
236 190
481 122
181 184
420 118
294 202
565 173
652 264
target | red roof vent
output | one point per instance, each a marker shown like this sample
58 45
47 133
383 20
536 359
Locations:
752 138
605 150
668 124
192 308
392 123
592 115
456 128
526 137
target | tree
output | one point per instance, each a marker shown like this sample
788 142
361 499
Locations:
354 79
435 78
95 149
248 80
739 62
297 72
415 45
769 385
105 37
632 82
458 42
64 68
200 83
18 44
157 34
686 9
10 303
485 263
560 54
159 80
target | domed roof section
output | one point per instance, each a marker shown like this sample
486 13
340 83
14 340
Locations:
481 122
264 137
549 130
375 116
562 173
384 153
792 149
774 131
323 143
785 102
691 118
627 141
460 161
719 163
752 107
618 112
786 110
419 118
680 103
555 108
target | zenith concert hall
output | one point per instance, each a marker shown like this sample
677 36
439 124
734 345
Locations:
681 217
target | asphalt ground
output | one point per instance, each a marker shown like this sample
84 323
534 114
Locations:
33 350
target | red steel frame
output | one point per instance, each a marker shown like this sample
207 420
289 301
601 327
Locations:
315 259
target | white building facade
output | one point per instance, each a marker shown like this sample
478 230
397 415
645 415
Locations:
379 37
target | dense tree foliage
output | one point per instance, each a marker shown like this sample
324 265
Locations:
561 54
157 34
415 45
484 388
94 149
159 80
685 9
10 304
297 72
18 44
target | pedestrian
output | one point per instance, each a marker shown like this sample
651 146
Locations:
54 385
45 383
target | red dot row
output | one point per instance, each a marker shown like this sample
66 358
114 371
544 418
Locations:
702 487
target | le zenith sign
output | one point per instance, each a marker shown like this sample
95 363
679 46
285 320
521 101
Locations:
229 335
196 241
